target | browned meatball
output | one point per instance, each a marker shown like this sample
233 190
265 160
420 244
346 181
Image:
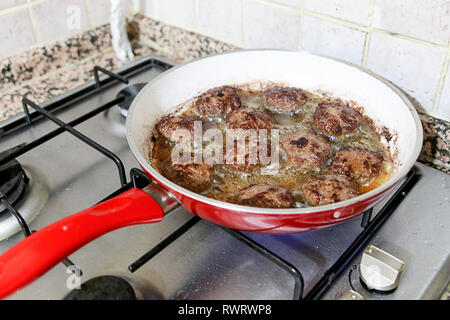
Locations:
357 163
305 149
248 118
336 119
266 196
250 160
218 101
330 188
284 99
168 125
192 176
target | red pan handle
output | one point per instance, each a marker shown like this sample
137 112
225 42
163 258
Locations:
39 252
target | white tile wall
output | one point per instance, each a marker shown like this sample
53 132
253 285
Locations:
290 3
270 26
99 11
428 20
147 7
10 3
329 39
59 19
412 66
221 19
406 41
352 10
178 12
16 33
26 23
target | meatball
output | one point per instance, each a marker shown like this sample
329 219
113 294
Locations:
250 159
218 101
196 177
248 118
336 119
305 149
330 188
357 163
284 99
168 125
266 196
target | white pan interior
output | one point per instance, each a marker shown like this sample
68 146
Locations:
381 102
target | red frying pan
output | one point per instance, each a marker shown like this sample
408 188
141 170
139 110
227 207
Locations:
382 102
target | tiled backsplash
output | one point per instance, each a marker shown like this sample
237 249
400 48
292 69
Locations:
406 41
29 23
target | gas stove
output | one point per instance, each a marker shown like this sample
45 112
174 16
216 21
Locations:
71 153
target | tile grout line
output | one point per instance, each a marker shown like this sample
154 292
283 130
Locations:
155 9
351 24
33 23
197 32
409 38
278 5
300 28
136 7
437 116
44 44
29 4
445 68
243 11
364 28
368 35
14 8
197 21
302 11
88 14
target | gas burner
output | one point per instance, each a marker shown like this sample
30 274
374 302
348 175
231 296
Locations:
31 194
103 288
129 93
113 288
115 117
12 182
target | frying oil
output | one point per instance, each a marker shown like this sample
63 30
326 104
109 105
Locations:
226 182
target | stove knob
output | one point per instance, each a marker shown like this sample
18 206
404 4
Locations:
351 295
380 271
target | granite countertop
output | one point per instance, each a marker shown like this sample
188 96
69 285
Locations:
48 71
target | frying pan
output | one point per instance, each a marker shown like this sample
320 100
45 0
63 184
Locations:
393 116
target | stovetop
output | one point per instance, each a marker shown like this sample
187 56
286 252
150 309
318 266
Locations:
206 262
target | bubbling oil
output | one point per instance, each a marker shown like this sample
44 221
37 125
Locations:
226 182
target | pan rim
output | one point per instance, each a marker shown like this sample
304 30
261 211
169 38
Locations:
403 170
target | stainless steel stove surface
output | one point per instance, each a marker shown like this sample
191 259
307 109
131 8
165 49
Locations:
206 262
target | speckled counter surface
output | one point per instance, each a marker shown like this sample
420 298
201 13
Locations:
45 72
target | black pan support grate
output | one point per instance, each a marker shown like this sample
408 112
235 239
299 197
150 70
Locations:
38 113
369 228
138 179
